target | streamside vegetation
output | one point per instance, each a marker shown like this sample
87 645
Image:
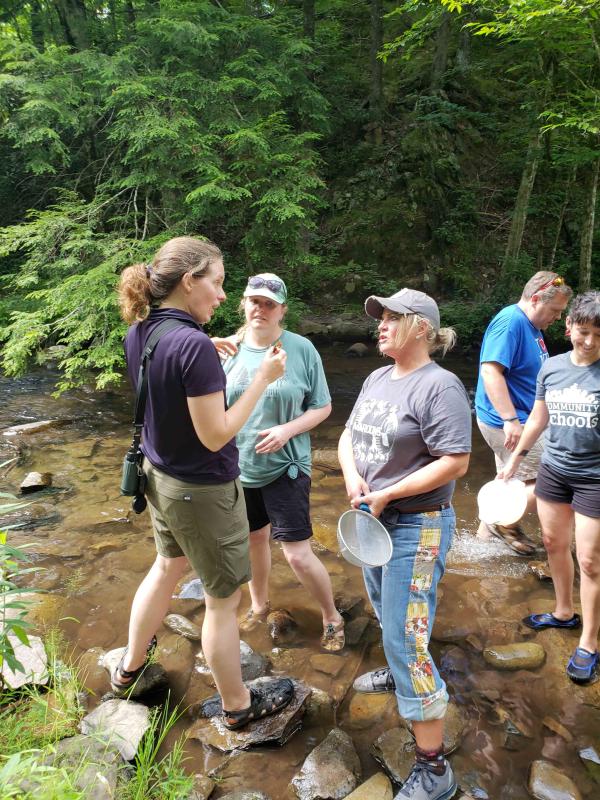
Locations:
352 147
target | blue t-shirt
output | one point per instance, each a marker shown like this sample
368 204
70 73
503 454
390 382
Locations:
572 396
511 340
184 364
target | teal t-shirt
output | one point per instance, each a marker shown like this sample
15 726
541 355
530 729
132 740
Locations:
303 386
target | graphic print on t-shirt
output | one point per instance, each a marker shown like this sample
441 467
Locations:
374 427
573 407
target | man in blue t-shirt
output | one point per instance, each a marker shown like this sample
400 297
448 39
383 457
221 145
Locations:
512 352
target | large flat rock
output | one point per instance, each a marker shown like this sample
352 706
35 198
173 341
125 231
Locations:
120 723
331 771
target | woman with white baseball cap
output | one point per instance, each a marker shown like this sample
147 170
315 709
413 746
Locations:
407 440
275 451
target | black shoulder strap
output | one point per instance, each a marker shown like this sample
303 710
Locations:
142 384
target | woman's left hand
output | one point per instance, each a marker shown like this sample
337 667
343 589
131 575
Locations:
376 501
273 439
226 347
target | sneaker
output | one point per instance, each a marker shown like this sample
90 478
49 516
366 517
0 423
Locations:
378 680
582 665
422 784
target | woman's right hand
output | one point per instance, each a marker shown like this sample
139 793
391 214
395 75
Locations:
356 486
273 364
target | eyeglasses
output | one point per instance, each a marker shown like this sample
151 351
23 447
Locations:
258 283
558 281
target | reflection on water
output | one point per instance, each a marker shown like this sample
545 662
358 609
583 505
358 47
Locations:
94 553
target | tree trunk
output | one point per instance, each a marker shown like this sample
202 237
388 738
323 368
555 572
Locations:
376 93
587 229
37 26
561 218
308 10
517 227
440 55
130 14
463 52
73 18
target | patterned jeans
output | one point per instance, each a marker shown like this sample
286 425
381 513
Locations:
403 594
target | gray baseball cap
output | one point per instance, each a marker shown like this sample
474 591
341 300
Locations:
406 301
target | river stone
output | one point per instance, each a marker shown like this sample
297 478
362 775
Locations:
556 727
541 570
34 427
192 590
454 728
33 660
331 771
203 787
357 350
350 605
395 752
591 759
319 709
152 678
183 626
97 780
546 782
367 709
121 723
281 623
35 481
378 787
246 794
254 665
522 655
277 728
330 665
355 630
189 599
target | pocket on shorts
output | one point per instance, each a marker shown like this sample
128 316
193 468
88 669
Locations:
233 556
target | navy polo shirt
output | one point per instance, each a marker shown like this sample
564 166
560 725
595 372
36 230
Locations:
185 364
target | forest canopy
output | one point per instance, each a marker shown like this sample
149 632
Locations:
350 147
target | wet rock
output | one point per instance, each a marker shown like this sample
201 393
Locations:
189 598
176 654
97 780
395 752
254 665
357 350
556 727
319 709
541 570
35 482
34 427
546 782
183 626
367 709
349 605
281 624
515 736
326 458
325 535
107 546
203 787
330 665
449 632
152 678
290 659
246 794
454 728
277 728
378 787
355 630
591 759
121 723
522 655
331 771
455 660
33 660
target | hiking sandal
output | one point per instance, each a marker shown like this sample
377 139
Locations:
334 637
264 700
514 538
130 676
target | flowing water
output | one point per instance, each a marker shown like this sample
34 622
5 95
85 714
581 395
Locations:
93 552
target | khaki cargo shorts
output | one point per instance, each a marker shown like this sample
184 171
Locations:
205 523
528 469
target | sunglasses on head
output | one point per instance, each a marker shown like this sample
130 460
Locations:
558 281
270 283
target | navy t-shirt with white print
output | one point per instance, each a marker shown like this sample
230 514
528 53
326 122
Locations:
185 364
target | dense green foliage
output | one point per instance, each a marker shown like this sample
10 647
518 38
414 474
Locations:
460 160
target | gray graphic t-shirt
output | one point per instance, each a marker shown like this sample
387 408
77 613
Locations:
572 395
400 425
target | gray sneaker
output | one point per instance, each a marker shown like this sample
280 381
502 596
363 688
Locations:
378 680
422 784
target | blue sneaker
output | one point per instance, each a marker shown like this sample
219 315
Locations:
582 665
540 621
423 784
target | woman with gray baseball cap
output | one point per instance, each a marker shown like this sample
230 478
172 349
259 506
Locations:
407 440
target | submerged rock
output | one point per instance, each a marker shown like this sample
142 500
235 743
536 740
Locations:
546 782
541 570
367 709
35 482
246 794
556 727
331 771
591 759
34 427
183 626
355 630
378 787
277 728
521 655
281 624
330 665
120 723
357 350
395 751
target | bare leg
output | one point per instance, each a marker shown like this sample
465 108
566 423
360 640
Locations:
221 646
260 560
587 537
313 576
557 531
429 735
150 606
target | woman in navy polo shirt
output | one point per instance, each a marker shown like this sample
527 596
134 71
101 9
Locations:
191 463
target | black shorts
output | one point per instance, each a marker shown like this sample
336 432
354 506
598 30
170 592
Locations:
285 504
582 494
